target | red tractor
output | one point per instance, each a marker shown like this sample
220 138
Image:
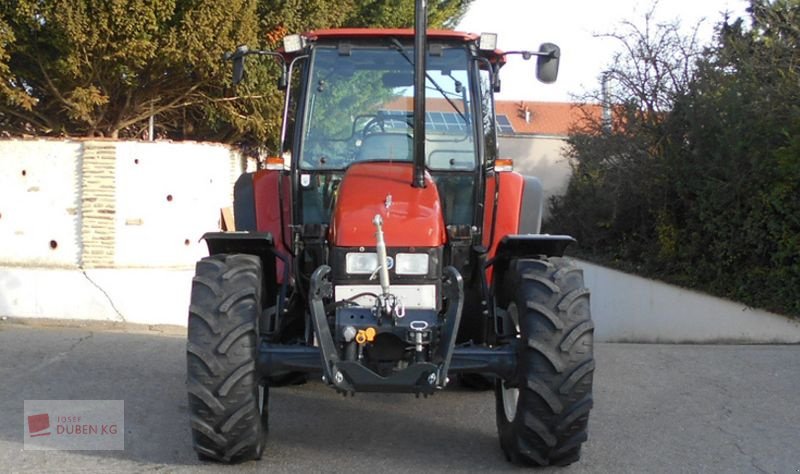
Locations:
390 250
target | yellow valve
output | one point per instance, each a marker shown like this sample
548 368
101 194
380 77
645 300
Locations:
366 335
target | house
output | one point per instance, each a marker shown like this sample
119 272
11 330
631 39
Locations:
534 135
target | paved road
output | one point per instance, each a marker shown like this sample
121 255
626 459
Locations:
658 409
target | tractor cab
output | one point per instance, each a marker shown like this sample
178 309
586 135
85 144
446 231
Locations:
352 102
358 107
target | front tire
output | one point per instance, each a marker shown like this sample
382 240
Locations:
227 401
542 414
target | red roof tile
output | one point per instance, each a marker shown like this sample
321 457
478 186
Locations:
546 118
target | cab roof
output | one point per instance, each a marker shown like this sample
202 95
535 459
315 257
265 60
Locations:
388 32
495 56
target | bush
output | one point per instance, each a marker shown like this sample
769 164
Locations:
707 193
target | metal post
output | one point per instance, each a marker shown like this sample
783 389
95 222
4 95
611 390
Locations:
420 47
606 117
151 125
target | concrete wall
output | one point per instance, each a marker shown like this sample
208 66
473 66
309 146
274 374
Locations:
40 203
126 218
107 230
168 196
133 295
98 204
540 156
628 308
625 308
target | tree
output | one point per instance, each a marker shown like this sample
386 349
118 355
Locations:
735 156
102 68
697 181
619 185
400 13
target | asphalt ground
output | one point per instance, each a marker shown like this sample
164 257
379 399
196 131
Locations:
658 408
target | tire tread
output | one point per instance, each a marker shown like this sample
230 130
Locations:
555 363
227 423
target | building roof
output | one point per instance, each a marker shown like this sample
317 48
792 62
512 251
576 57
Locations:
544 118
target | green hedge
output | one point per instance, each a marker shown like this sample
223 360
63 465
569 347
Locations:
708 194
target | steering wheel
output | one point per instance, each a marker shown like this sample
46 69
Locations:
375 122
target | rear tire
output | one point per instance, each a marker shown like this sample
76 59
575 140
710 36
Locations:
542 414
227 401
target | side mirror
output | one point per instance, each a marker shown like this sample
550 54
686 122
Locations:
547 62
238 70
238 63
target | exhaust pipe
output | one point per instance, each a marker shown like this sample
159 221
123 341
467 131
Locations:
420 48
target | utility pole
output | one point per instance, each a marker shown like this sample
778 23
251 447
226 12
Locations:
606 117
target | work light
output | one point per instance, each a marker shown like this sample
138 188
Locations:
411 264
361 263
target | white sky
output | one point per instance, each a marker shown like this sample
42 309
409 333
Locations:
524 24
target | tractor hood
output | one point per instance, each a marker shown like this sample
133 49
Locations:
412 216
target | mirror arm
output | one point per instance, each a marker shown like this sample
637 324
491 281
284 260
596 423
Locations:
242 51
526 55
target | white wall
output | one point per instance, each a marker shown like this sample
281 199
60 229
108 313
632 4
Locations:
628 308
151 244
168 196
132 295
39 202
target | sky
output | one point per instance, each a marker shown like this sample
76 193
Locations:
572 24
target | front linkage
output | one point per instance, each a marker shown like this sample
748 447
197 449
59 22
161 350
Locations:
427 337
427 373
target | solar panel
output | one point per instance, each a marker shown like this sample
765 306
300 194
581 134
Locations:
436 121
504 126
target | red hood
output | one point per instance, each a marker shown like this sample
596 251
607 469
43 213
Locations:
413 219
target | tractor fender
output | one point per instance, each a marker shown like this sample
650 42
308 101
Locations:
528 246
258 208
519 207
259 244
520 204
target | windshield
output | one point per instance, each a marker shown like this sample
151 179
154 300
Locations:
360 107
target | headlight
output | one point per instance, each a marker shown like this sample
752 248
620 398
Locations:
361 263
411 264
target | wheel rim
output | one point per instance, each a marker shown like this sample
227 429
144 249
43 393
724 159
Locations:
510 396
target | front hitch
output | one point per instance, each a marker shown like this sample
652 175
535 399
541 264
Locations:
352 376
321 288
